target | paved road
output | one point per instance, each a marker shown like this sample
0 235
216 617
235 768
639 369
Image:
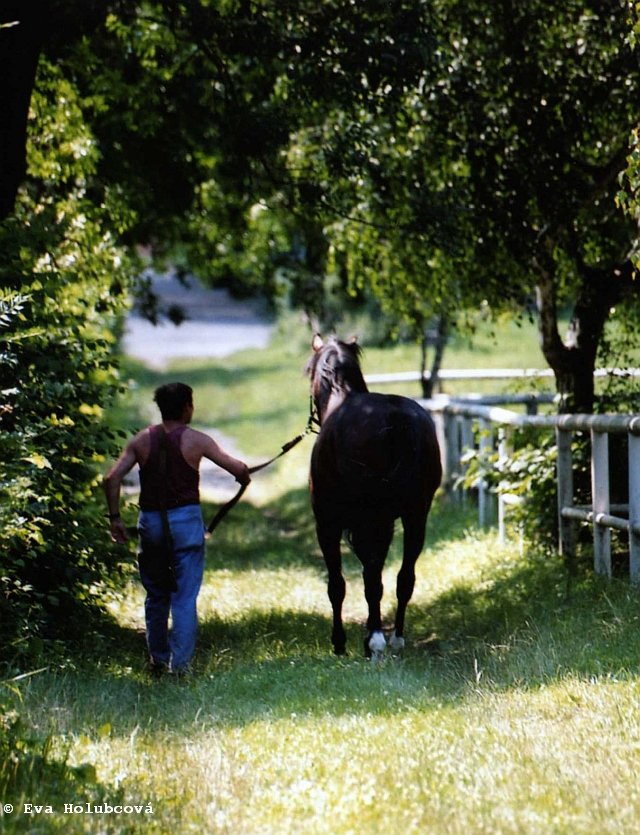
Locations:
216 325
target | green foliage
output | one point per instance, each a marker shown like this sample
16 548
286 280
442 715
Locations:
618 351
503 135
433 156
28 763
64 277
629 195
237 131
529 474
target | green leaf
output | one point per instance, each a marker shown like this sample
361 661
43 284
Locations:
39 460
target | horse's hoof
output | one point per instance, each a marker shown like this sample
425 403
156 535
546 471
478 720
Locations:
396 644
375 646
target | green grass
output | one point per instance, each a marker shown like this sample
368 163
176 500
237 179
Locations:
514 709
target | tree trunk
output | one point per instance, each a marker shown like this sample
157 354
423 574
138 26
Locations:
573 360
442 333
22 30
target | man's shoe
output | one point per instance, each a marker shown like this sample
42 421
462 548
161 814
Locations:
157 669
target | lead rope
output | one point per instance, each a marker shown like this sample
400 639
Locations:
222 512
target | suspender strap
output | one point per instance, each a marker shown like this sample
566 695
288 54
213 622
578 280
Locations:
162 471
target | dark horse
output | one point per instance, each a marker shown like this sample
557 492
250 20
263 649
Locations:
376 459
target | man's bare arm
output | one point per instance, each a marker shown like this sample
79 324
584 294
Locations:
112 483
214 452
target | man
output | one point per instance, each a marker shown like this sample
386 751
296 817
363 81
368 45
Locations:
174 484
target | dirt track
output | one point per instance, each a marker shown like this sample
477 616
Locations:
216 325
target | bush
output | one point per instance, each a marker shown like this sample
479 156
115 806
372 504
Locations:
64 278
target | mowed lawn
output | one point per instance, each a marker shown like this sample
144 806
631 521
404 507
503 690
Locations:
514 709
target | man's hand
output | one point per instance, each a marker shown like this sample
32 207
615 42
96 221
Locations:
118 531
243 475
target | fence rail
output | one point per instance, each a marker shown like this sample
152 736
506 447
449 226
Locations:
487 374
456 419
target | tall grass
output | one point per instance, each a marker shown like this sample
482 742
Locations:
514 708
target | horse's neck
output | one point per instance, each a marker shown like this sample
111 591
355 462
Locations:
336 398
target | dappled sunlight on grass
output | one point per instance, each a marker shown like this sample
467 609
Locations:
513 709
514 705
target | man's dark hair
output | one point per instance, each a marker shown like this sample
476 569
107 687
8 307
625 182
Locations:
172 399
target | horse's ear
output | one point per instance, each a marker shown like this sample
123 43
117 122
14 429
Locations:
317 343
353 340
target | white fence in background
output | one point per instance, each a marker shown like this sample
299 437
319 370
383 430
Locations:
456 420
487 374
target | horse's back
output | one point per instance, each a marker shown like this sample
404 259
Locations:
376 450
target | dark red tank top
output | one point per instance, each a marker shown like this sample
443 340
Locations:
182 481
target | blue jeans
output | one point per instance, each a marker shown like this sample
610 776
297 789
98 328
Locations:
174 647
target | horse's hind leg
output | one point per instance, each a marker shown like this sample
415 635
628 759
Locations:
329 541
414 531
371 546
374 642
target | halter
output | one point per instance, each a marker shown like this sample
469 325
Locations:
335 370
314 417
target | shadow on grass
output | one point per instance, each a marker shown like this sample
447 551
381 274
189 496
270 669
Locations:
262 636
526 625
280 535
513 629
517 633
522 613
27 766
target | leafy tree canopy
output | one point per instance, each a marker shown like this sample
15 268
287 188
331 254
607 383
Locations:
436 155
498 177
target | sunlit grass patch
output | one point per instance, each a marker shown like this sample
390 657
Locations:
514 708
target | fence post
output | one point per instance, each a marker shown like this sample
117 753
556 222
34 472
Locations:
564 471
486 445
452 451
503 455
440 420
634 507
466 443
532 406
600 496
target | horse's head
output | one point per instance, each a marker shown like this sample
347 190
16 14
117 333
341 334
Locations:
334 369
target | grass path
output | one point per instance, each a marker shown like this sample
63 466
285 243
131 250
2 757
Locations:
515 708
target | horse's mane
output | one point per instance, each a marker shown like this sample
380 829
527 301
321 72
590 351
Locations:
337 363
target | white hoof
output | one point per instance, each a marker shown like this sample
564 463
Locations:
396 644
377 646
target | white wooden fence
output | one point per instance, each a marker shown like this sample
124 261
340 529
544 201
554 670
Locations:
488 374
456 419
